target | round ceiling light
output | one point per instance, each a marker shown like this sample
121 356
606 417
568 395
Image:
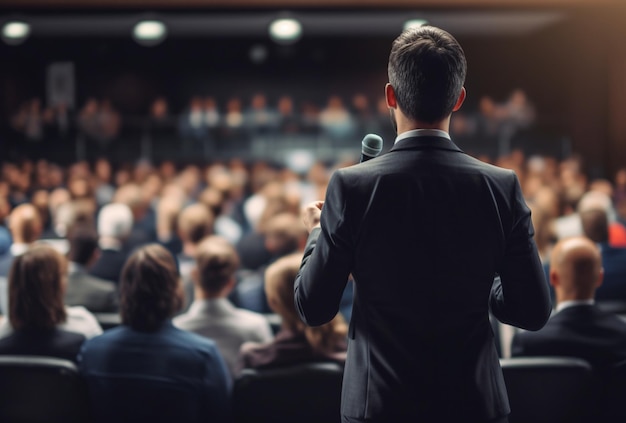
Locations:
15 32
149 33
285 30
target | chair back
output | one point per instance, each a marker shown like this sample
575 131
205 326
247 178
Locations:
303 393
41 389
611 397
549 389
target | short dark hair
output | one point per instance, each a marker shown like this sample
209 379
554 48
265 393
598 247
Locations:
150 291
427 69
36 289
83 242
595 224
217 262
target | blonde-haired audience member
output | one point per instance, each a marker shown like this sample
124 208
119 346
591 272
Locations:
295 342
211 314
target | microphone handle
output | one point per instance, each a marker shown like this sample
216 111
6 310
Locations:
364 158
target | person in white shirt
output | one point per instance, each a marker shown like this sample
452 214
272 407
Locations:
211 314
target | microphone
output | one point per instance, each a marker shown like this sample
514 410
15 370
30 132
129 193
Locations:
371 147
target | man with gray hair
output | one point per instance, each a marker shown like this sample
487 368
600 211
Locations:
115 222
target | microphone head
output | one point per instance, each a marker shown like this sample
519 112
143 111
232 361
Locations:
372 145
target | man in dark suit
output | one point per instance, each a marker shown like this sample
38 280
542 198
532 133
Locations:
95 294
423 230
578 328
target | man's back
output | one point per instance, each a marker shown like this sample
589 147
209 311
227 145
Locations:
225 324
423 230
582 331
167 375
95 294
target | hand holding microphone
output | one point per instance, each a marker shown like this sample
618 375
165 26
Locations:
371 146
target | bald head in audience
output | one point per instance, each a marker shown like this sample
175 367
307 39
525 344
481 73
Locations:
575 269
25 224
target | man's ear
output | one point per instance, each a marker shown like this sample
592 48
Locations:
600 277
554 278
460 100
390 96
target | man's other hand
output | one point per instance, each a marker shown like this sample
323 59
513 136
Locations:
311 215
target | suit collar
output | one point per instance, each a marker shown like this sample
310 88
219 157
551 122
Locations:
425 143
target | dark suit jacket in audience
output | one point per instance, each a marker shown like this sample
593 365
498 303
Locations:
582 331
109 265
52 343
168 375
95 294
614 283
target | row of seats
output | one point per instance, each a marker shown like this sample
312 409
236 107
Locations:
541 389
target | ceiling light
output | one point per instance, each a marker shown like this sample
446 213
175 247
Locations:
149 33
15 32
285 31
414 23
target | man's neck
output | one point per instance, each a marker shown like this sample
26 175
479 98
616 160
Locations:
405 125
201 295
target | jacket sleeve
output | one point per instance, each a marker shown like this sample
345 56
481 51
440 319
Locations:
520 295
328 259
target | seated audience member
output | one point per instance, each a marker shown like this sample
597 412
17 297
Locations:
295 342
146 369
143 230
212 315
95 294
26 227
38 323
578 328
115 222
195 223
595 226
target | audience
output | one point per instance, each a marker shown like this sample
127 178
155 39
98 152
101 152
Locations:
195 223
95 294
295 342
146 369
25 227
578 328
212 315
37 319
115 222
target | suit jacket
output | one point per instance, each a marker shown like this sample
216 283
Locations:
53 343
109 266
162 376
95 294
614 282
423 230
581 331
225 324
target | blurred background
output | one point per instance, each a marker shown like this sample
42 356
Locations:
200 81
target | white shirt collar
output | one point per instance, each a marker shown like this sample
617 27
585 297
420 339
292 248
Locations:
566 304
423 133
